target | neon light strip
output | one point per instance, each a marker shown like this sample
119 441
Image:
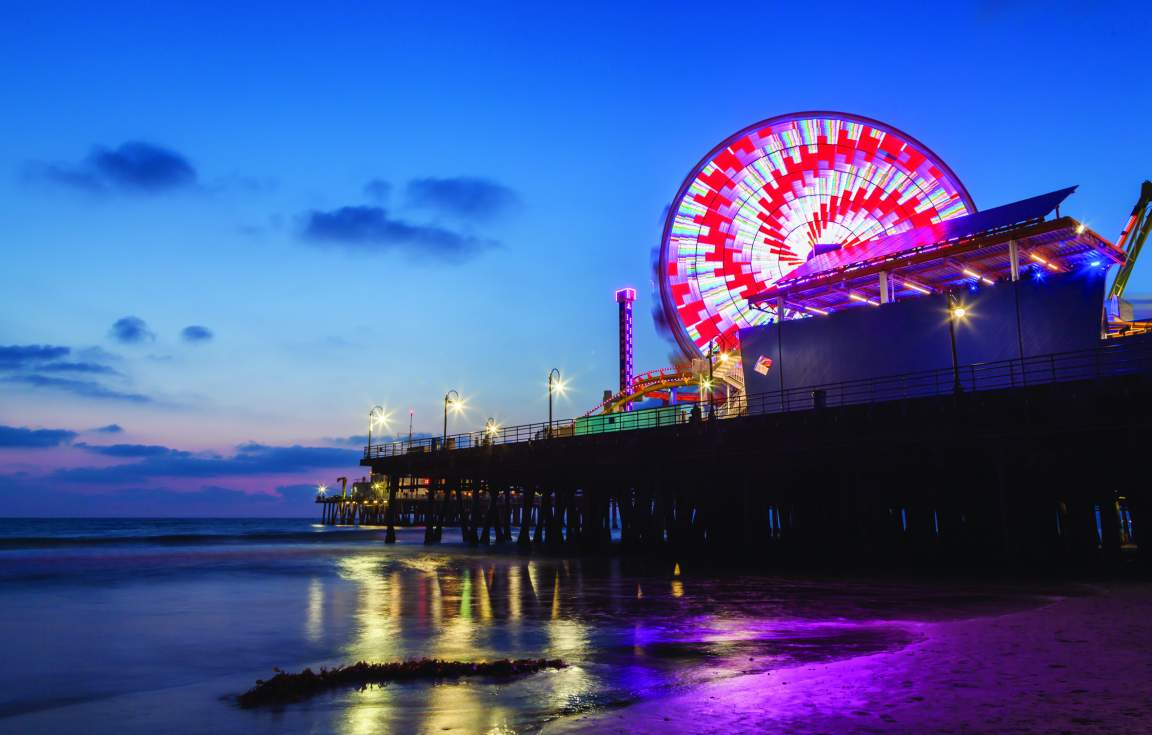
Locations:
972 274
858 297
1043 262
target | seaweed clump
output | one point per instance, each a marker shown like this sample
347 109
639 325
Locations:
285 687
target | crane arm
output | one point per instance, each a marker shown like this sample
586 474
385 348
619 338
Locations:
1132 238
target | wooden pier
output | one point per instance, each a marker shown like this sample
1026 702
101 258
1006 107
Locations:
1052 473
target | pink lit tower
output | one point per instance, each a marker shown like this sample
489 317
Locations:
625 297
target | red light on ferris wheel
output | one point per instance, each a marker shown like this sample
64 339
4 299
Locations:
764 200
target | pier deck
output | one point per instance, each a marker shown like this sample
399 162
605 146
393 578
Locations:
1029 463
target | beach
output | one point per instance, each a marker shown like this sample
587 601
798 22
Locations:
127 627
1082 663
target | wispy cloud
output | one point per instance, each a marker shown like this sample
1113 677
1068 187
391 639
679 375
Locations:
248 460
133 450
359 440
466 197
133 167
24 438
29 497
40 366
109 429
20 356
368 228
77 367
83 388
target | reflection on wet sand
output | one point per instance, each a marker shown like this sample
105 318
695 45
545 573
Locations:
625 636
453 606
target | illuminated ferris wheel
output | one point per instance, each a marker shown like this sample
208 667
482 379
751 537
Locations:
775 194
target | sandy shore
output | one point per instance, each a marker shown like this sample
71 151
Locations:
1082 664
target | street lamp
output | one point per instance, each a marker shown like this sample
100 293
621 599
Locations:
555 385
453 399
411 413
490 430
956 312
376 416
711 380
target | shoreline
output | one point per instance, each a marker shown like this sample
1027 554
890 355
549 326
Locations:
1080 664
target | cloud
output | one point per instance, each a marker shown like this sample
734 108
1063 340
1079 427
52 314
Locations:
83 388
28 497
39 366
463 196
133 450
23 438
19 356
372 229
356 440
131 330
305 492
133 167
196 333
248 459
360 440
378 190
109 429
76 367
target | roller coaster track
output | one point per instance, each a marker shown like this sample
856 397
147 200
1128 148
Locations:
655 381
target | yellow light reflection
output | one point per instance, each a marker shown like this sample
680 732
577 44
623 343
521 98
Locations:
376 635
369 712
376 630
514 595
532 576
483 597
556 599
314 628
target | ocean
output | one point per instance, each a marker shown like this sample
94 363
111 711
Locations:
137 625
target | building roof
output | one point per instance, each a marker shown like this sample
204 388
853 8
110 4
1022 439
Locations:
967 250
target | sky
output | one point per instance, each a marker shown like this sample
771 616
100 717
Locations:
229 230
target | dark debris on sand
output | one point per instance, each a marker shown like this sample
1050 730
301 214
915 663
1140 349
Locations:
284 687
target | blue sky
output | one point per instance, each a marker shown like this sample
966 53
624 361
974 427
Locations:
235 169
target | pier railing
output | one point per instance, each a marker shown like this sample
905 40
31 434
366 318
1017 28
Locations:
1113 358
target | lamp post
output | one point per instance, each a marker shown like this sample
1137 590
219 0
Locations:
711 354
956 311
451 398
375 415
490 429
555 385
411 413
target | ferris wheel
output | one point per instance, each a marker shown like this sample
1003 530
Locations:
778 192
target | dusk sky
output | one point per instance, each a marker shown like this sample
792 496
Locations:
228 232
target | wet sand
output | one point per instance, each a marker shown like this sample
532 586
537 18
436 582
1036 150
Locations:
1082 664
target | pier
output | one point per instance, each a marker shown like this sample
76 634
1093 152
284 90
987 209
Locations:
1023 462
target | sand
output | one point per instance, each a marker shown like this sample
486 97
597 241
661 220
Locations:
1082 664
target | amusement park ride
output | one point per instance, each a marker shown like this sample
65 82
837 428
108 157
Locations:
806 214
900 378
